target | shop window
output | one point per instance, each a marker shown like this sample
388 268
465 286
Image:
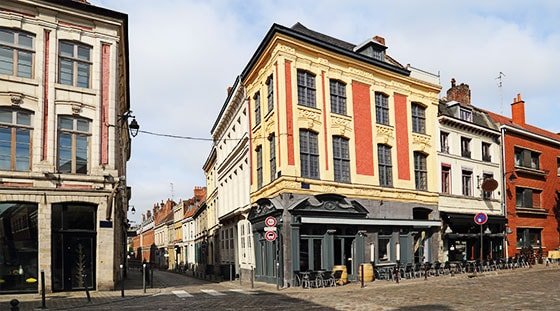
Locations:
384 249
529 237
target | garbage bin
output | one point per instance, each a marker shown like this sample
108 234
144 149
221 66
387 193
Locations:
344 276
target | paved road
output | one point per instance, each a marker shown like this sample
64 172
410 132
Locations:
522 289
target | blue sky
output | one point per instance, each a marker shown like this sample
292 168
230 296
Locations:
184 54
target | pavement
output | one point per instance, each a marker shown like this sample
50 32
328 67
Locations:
536 288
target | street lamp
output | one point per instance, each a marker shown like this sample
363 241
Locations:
134 127
133 210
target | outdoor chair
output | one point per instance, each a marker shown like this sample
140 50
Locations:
418 270
337 275
297 278
446 268
409 271
328 279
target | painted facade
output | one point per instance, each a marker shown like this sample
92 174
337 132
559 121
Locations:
63 90
343 149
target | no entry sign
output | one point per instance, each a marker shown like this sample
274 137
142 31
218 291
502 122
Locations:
270 221
270 236
480 218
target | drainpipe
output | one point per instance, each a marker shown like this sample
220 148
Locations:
504 185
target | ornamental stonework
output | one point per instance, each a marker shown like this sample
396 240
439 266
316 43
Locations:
360 73
342 125
311 117
422 142
386 134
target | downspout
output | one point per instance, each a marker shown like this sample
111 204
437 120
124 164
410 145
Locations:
504 185
110 200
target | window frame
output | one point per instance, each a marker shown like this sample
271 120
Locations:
16 48
526 155
467 183
15 127
446 179
74 133
257 100
270 93
309 152
418 112
76 61
382 108
524 234
486 153
465 114
385 165
337 90
487 195
341 159
306 88
528 194
272 161
444 142
420 172
466 147
259 166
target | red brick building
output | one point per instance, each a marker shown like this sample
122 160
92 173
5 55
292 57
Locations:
532 179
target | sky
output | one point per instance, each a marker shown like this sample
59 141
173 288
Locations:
185 53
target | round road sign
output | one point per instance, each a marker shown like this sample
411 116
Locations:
270 236
270 221
480 218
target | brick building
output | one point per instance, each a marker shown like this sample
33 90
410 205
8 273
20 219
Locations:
532 182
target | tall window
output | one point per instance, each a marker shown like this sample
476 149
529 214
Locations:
306 88
486 152
445 179
259 167
527 198
16 53
257 99
487 194
527 158
444 142
420 171
465 147
385 165
73 144
381 108
341 159
270 93
74 64
309 154
418 118
338 96
272 140
15 140
467 183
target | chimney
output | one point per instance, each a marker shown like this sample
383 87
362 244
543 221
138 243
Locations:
228 90
460 93
379 40
518 111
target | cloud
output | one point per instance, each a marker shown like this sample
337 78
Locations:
184 54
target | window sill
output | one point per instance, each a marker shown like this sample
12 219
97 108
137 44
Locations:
257 127
531 210
341 116
528 170
15 79
388 126
268 115
313 109
76 89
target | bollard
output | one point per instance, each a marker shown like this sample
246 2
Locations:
277 276
230 272
122 280
144 277
362 270
425 271
14 305
240 275
43 301
87 289
252 277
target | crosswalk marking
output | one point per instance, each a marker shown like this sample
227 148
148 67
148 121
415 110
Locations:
240 291
181 294
212 292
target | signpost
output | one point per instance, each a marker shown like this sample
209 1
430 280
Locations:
271 236
480 219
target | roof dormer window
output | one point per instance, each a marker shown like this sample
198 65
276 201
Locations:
465 114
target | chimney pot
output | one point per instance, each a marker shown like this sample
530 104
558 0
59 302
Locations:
379 39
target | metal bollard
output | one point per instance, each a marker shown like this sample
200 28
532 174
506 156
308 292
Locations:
122 280
144 277
362 270
151 277
252 277
43 301
14 305
240 275
230 272
87 289
425 271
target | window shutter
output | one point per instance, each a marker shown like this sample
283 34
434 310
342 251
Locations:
528 198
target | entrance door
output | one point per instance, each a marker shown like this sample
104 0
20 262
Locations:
78 261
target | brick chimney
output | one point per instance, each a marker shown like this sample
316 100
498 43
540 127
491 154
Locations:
460 93
379 39
518 110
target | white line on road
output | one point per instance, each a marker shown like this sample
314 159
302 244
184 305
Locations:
181 294
241 291
212 292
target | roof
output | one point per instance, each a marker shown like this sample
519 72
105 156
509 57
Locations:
480 117
302 33
224 106
529 128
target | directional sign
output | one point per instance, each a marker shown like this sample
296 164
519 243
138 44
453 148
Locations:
480 218
270 221
270 236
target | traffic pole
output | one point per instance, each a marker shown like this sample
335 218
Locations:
43 302
122 279
144 277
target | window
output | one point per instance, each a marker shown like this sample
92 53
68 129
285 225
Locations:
16 53
418 118
465 147
467 182
385 166
382 108
465 114
444 142
257 99
527 158
420 171
309 154
270 93
15 140
527 198
338 96
341 159
487 194
74 64
306 88
259 167
272 140
445 179
529 237
558 166
384 253
486 157
73 144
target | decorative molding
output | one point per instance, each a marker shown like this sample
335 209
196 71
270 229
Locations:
341 124
313 118
360 73
17 99
386 134
421 141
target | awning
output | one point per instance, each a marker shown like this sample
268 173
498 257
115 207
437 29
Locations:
456 218
371 222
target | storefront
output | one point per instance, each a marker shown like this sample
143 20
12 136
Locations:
322 231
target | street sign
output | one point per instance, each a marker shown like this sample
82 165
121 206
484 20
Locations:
480 218
270 221
270 236
270 229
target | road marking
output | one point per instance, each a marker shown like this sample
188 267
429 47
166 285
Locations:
212 292
181 294
241 291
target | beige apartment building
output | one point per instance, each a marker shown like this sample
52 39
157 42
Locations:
64 145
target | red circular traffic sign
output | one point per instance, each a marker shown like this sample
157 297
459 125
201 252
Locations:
270 221
270 236
480 218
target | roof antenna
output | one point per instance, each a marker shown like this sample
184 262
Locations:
500 84
172 193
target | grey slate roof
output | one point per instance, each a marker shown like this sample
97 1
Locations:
480 117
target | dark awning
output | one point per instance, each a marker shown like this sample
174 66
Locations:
456 218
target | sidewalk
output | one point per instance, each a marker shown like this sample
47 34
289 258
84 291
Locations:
78 299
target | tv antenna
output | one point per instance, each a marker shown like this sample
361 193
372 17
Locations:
501 75
172 192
